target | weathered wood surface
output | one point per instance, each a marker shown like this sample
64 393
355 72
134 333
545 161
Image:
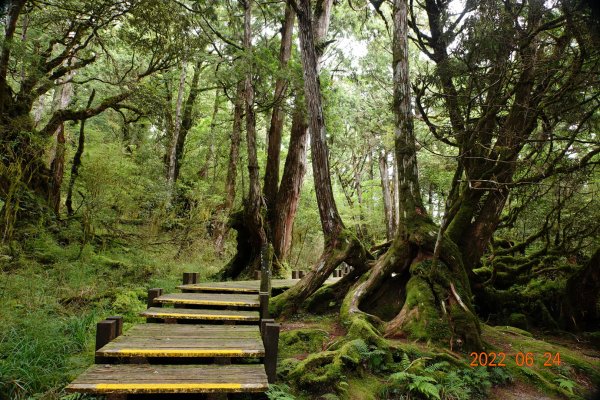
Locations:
140 378
201 315
243 286
210 299
150 340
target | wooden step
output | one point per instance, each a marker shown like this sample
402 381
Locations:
154 379
201 315
171 340
242 286
210 299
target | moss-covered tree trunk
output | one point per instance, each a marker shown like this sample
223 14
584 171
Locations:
340 245
408 292
253 232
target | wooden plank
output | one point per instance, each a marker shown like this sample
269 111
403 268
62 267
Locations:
193 331
198 314
158 340
252 286
210 299
139 378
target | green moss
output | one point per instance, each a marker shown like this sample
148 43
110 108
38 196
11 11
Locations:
319 372
517 320
301 341
364 388
512 340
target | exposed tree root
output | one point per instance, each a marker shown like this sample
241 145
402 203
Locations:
435 298
344 248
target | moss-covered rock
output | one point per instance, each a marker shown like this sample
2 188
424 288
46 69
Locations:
518 320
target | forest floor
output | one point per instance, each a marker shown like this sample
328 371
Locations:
53 290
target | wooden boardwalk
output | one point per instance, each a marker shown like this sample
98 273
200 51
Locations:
213 337
242 286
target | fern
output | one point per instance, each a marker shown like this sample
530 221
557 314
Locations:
565 383
405 362
425 387
280 392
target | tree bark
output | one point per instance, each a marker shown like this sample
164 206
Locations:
386 195
210 158
288 195
14 10
277 118
77 159
57 152
331 221
187 120
234 155
254 202
407 293
172 155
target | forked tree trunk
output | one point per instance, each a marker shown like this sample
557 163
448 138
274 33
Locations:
288 195
252 232
339 244
277 117
407 293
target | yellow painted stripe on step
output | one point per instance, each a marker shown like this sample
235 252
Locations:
166 386
202 316
211 302
179 353
218 288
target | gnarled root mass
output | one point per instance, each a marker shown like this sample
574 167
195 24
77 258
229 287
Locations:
417 297
405 294
343 248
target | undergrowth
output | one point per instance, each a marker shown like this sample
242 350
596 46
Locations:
54 289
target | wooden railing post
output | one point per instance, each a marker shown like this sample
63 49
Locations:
153 294
265 270
190 278
264 304
295 274
105 332
271 342
119 327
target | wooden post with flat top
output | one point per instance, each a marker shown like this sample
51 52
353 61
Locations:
105 332
263 297
271 341
153 294
119 327
190 278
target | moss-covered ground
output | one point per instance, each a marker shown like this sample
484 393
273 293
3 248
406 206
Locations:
54 289
319 360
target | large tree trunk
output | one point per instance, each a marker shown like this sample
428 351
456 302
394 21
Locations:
234 155
187 118
386 189
252 218
277 118
339 244
77 159
176 129
408 293
288 195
